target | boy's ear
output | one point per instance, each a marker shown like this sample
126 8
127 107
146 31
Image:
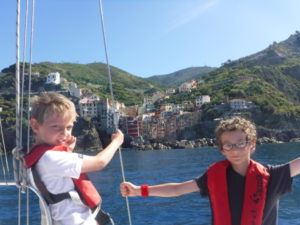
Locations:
222 152
34 125
252 146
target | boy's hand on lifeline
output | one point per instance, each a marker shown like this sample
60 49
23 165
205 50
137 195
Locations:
129 189
118 136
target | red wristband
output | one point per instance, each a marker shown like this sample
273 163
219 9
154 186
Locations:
144 190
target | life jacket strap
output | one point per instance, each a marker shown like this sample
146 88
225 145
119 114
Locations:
76 198
48 196
102 217
98 215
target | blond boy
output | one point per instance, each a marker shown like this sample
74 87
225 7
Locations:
61 171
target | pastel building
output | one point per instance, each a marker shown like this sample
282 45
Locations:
53 78
200 100
88 107
238 104
74 91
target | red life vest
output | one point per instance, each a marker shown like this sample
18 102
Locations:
83 185
254 198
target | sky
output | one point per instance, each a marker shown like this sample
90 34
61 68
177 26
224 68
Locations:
147 37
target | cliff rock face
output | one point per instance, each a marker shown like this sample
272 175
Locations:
276 129
87 137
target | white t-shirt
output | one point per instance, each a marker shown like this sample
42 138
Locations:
56 170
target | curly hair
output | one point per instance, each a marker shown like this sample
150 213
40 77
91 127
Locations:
51 103
233 124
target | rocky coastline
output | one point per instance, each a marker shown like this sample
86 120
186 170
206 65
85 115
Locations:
91 139
193 144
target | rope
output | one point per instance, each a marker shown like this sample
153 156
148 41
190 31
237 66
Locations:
4 152
23 67
20 173
3 168
17 82
29 94
17 149
113 100
19 206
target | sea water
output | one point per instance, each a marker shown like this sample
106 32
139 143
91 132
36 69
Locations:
160 166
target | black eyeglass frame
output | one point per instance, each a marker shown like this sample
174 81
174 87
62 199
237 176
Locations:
239 146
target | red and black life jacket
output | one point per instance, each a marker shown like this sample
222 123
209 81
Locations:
256 184
85 188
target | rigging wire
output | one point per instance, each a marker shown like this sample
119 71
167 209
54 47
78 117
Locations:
29 95
20 173
17 81
2 162
113 100
2 152
5 170
17 68
23 66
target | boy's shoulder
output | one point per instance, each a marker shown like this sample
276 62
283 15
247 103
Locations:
38 151
280 169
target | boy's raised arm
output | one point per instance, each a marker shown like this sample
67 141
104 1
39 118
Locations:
295 167
99 161
161 190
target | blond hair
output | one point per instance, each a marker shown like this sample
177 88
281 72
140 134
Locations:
234 124
51 103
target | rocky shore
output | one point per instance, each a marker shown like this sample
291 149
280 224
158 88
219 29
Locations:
189 138
193 144
91 139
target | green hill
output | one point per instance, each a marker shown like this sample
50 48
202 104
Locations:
126 87
270 79
181 76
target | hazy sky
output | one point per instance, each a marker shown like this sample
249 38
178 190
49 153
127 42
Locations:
150 37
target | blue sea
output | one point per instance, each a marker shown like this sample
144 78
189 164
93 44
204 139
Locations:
158 166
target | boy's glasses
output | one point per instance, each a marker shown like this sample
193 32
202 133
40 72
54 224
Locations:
240 146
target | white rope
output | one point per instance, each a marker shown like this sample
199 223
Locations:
22 108
113 100
3 168
23 67
29 81
17 82
19 206
4 153
17 67
20 174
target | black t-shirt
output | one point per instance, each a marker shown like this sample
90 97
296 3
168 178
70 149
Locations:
280 182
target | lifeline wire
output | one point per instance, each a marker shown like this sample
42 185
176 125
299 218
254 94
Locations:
20 174
4 153
17 68
23 66
29 94
2 161
22 169
112 97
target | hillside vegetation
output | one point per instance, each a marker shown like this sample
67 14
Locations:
181 76
270 79
127 88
